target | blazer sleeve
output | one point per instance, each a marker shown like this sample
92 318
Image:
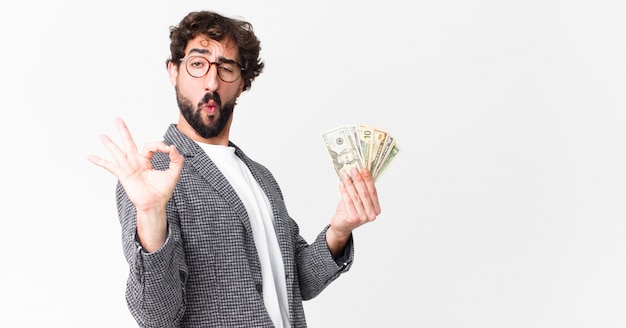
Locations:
316 266
155 288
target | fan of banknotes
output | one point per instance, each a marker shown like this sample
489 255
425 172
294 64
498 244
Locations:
360 146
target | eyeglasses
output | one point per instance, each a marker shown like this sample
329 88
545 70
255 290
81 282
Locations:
198 66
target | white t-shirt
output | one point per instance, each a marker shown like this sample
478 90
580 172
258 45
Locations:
259 210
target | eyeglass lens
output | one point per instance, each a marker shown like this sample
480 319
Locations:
200 66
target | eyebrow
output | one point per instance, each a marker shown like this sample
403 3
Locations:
202 51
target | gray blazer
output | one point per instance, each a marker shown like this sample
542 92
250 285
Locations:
207 274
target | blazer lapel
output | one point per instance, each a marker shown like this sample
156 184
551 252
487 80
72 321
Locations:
209 171
278 211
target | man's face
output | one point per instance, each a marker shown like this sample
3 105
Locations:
207 102
346 157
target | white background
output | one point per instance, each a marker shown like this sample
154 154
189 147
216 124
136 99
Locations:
505 207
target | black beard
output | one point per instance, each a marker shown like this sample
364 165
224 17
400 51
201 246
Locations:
194 118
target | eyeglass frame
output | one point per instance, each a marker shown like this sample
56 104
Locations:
217 66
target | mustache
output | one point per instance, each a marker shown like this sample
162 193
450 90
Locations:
211 96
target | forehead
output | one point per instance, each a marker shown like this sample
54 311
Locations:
225 48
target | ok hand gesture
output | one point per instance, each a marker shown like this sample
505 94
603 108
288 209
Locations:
149 189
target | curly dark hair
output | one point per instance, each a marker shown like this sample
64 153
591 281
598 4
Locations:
218 27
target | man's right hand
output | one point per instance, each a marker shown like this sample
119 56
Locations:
147 188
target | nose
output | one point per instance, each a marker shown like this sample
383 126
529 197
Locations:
211 80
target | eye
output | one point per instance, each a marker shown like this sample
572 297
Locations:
197 62
227 67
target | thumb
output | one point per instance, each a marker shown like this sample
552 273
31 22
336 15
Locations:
176 160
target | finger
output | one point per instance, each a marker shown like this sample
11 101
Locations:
109 166
371 189
118 154
355 201
365 192
153 147
127 139
176 160
347 201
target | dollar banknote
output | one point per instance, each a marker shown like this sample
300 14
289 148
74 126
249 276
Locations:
360 146
385 163
343 149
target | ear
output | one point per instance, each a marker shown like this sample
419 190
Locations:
172 71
